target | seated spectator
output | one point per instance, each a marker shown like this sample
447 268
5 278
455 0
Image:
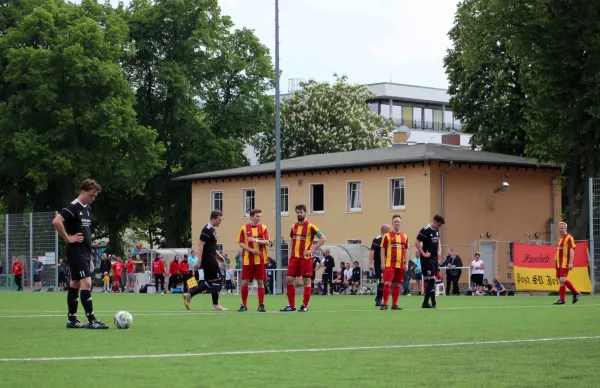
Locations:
347 276
356 275
499 288
487 287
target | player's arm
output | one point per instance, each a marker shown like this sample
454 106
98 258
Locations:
59 224
200 250
266 240
406 257
419 246
571 253
371 259
321 241
382 246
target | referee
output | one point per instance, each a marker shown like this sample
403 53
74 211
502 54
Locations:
428 244
375 262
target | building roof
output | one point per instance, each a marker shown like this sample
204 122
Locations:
398 154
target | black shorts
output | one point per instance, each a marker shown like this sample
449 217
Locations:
429 266
355 280
37 278
62 277
79 266
211 270
326 277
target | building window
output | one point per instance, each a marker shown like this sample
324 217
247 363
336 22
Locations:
284 254
358 242
354 197
317 198
248 199
220 248
285 200
397 194
216 200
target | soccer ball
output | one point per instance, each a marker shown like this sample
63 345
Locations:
123 320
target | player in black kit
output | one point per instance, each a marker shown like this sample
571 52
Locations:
73 224
428 244
375 261
207 260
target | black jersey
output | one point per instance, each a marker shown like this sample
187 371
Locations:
209 263
78 219
316 261
376 248
430 238
328 264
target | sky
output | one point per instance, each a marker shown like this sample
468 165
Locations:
368 40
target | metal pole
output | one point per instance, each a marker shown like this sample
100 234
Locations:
277 145
31 247
56 255
7 251
592 258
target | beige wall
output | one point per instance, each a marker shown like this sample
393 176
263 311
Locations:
337 224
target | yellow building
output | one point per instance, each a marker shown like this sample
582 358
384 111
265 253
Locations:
487 199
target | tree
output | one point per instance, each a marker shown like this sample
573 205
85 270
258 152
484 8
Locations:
324 118
553 50
203 88
66 110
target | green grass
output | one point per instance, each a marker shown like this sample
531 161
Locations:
32 326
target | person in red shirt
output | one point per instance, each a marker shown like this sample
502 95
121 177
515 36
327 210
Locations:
131 273
17 270
158 269
117 269
184 272
173 273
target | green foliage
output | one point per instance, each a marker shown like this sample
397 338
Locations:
524 77
324 118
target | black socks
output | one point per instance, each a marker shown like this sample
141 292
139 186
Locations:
72 300
86 302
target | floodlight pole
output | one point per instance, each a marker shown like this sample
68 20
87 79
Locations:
277 154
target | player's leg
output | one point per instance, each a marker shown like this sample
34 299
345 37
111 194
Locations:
247 276
379 276
388 276
293 271
307 271
260 276
73 293
396 285
570 286
215 286
84 278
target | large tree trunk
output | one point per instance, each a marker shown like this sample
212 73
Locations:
581 229
114 239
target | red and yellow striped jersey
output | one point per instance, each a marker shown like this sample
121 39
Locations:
562 252
396 246
257 232
302 237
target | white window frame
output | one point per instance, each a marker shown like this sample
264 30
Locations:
391 194
311 198
246 214
354 241
286 212
220 248
212 199
349 208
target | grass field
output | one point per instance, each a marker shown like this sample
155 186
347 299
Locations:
344 341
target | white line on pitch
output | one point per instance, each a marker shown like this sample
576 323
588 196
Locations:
280 351
179 312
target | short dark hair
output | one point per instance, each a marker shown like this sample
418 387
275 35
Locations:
255 211
300 207
438 218
216 213
90 184
356 262
396 216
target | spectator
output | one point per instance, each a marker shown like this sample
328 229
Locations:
105 264
130 274
418 275
173 274
338 278
452 262
106 282
477 270
316 266
238 265
328 267
192 262
158 269
62 274
184 272
222 268
499 288
347 276
228 281
38 267
407 276
17 271
356 278
117 269
487 287
271 266
227 260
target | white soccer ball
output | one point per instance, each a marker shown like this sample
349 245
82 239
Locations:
123 320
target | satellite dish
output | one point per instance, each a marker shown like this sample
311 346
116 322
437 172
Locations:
405 129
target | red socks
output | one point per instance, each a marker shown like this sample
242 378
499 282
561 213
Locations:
395 295
307 292
562 293
261 296
291 294
245 295
571 287
386 294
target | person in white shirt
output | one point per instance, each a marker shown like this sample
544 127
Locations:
228 282
347 275
477 270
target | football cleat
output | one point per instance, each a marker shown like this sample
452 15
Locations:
287 309
96 325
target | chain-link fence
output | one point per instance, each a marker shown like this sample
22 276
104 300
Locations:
594 226
24 237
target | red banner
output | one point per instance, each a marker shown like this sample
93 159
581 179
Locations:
542 256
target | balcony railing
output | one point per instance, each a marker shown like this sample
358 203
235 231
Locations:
429 125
